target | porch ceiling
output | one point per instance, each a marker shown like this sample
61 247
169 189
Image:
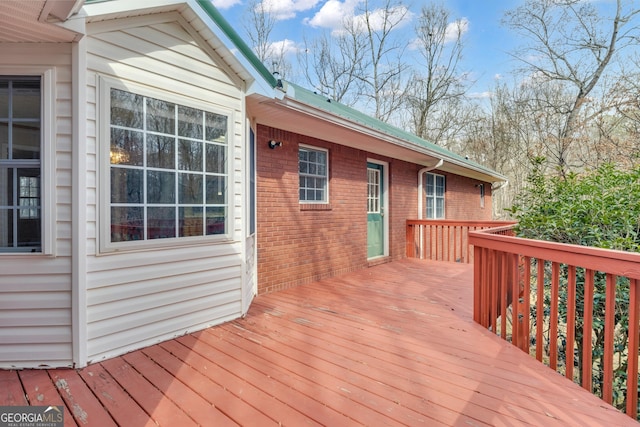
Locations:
34 21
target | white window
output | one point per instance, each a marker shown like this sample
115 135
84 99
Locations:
435 196
21 163
313 168
481 186
168 170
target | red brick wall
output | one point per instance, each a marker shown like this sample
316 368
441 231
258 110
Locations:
462 198
299 243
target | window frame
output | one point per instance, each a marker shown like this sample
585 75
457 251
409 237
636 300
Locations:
326 175
435 196
48 113
105 245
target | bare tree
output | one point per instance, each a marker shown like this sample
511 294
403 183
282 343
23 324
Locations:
437 89
334 65
571 44
383 66
259 27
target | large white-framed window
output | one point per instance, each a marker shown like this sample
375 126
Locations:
435 195
26 159
167 169
313 172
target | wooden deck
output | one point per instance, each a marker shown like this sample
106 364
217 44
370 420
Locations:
391 345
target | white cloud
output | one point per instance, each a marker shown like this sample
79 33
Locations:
451 33
287 9
335 13
225 4
481 95
284 47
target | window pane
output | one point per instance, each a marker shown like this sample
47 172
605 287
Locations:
6 230
190 188
216 158
26 99
430 210
26 140
6 186
191 221
4 99
439 208
216 220
189 155
161 116
216 190
127 223
189 122
440 186
126 185
126 147
4 140
216 127
126 109
161 187
161 223
161 152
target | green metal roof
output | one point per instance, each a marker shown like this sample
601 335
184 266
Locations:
322 102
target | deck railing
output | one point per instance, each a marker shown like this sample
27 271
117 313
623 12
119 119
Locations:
444 240
542 297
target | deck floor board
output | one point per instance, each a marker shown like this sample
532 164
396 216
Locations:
391 345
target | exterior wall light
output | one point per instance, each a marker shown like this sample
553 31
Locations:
273 144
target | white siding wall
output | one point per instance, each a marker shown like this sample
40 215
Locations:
139 298
35 290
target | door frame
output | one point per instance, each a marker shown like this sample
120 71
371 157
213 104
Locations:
385 203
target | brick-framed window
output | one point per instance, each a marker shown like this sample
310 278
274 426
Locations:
435 196
313 172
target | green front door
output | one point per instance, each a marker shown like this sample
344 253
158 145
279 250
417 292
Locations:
375 211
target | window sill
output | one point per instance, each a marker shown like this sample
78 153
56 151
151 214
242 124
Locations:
315 207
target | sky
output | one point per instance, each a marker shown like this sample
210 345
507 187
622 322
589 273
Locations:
488 43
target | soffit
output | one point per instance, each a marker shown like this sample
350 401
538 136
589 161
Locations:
34 21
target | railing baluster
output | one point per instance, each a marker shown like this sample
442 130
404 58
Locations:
571 321
553 318
609 319
493 294
632 357
539 309
504 292
515 304
527 304
587 345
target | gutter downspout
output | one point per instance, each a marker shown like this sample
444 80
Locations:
420 173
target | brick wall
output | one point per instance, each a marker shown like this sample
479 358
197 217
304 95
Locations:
300 243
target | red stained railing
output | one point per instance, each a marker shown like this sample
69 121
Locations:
542 296
444 240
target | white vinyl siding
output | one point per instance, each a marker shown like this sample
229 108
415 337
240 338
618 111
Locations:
35 288
152 294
